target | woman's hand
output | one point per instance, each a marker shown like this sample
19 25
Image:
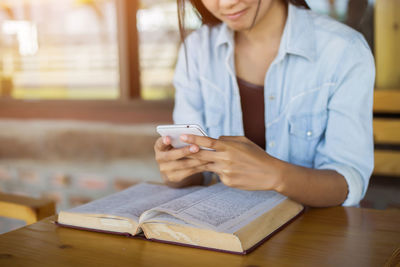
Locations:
242 164
239 162
174 164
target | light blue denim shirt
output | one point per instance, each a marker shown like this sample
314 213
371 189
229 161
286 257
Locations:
318 95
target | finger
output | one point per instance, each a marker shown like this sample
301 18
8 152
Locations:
242 139
235 138
163 143
228 138
206 155
178 153
166 140
180 164
225 173
211 167
228 181
180 175
203 141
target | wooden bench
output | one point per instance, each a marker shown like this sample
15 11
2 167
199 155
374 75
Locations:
387 133
387 102
24 208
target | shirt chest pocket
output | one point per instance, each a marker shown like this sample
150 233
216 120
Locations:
306 131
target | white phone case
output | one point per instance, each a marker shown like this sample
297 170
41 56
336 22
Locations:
174 131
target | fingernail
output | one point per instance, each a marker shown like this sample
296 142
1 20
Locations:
184 137
164 139
193 149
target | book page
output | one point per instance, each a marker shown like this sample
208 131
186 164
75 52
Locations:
166 218
219 208
132 202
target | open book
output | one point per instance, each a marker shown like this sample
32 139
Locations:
215 217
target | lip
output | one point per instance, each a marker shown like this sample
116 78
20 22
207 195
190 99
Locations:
236 15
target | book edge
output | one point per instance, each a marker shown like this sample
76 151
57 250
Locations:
142 237
280 228
99 231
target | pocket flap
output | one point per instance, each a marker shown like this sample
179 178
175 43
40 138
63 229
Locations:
308 126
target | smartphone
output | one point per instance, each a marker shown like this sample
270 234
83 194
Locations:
174 131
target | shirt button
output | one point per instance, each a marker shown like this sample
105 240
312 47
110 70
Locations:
271 144
309 133
271 97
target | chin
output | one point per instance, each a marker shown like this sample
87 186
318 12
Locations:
238 26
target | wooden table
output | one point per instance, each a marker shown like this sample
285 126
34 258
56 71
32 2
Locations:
321 237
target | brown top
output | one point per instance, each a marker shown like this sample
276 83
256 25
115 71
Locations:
252 101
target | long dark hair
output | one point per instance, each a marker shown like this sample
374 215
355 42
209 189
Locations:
207 18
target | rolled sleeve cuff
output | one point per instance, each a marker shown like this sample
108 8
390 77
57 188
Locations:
354 181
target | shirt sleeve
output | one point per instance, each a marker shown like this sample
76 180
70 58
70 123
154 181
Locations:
348 144
189 107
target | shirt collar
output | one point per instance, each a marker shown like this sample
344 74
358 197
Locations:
225 36
298 36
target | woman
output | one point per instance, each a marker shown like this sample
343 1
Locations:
285 96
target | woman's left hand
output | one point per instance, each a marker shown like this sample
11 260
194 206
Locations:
239 162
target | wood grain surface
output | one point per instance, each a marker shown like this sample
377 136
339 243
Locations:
321 237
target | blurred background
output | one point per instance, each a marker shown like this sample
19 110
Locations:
83 83
69 49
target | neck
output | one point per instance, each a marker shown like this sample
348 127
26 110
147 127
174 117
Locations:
270 26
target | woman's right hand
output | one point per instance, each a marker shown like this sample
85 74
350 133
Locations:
175 168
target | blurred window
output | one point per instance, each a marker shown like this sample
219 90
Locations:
358 14
64 49
159 44
68 49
